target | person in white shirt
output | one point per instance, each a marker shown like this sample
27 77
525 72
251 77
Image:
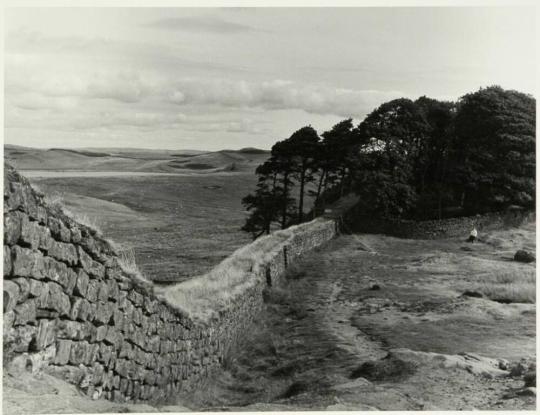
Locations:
473 236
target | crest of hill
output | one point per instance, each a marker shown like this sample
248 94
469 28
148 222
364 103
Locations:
133 160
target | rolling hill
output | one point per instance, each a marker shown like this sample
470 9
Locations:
135 160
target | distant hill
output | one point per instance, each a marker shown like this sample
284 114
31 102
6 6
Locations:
133 159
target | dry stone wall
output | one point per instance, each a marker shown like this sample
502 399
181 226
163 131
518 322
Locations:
70 308
437 229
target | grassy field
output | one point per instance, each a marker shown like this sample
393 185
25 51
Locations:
133 160
178 226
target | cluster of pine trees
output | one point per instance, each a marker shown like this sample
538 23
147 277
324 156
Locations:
407 159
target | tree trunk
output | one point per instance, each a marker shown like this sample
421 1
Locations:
285 194
341 182
301 201
319 187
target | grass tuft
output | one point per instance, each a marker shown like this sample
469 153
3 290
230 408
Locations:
128 262
90 222
515 286
55 201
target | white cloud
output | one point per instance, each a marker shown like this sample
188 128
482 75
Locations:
200 24
279 94
121 86
35 101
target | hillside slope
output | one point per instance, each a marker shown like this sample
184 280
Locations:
134 160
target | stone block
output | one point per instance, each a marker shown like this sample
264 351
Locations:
98 373
129 390
123 385
41 215
80 310
105 354
63 352
114 337
37 289
137 316
19 338
90 245
53 270
81 284
116 382
93 354
92 290
136 390
99 334
43 313
71 281
103 292
149 305
45 238
153 344
126 350
113 289
57 300
64 252
25 261
12 199
75 234
25 313
12 227
7 262
144 322
8 320
58 229
79 353
122 368
92 267
129 309
73 330
45 334
12 294
136 298
30 233
140 356
92 311
107 378
122 300
103 313
118 319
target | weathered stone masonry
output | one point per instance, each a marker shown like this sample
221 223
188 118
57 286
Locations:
436 229
71 310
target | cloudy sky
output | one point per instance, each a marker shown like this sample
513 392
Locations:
230 78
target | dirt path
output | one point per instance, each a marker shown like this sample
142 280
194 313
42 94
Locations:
398 307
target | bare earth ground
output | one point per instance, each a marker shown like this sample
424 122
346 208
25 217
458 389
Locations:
329 339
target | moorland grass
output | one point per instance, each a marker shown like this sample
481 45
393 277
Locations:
202 297
514 286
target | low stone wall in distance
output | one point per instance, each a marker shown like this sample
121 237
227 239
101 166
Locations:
71 309
436 229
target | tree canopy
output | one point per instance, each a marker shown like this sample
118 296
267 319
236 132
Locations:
411 159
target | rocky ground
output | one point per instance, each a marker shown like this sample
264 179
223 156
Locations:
369 322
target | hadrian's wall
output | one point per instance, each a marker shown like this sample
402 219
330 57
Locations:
458 227
71 310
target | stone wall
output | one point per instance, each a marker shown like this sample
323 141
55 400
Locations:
71 309
435 229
